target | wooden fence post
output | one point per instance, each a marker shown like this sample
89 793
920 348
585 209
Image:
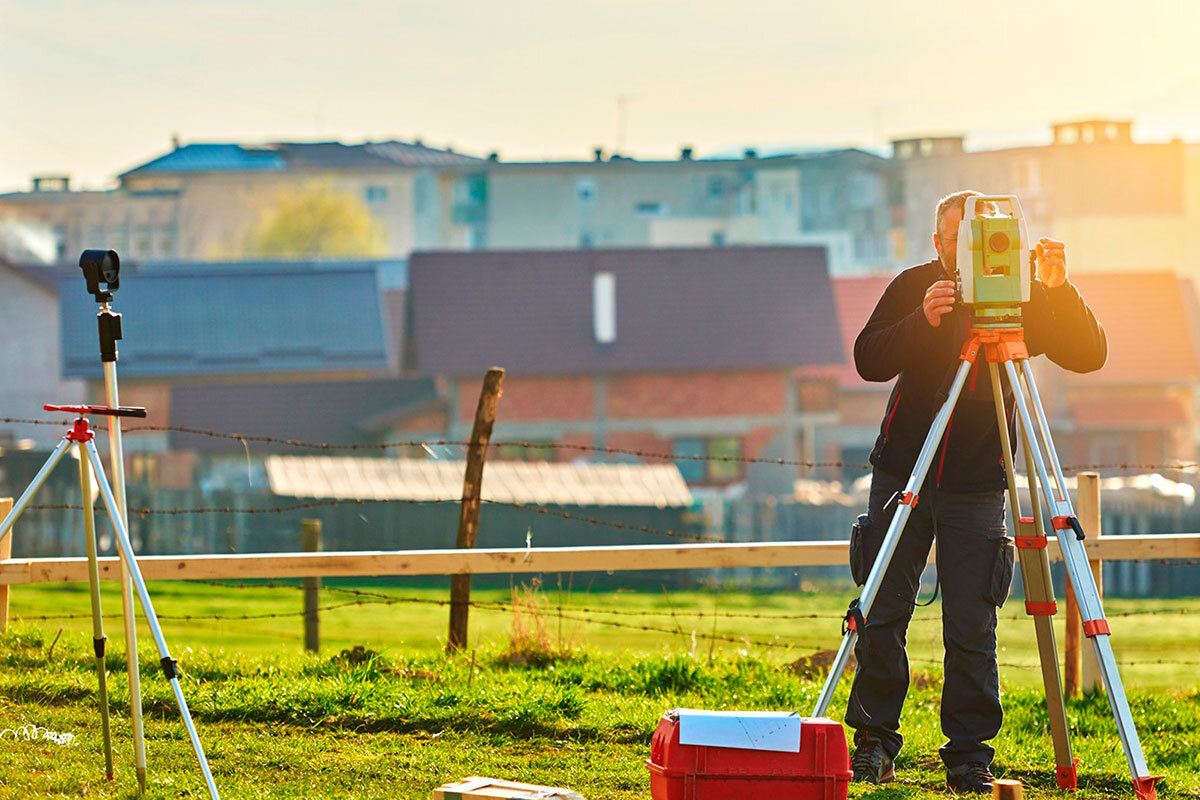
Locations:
310 535
468 515
6 504
1071 644
1088 494
1007 790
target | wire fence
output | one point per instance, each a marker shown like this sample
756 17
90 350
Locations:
426 444
694 623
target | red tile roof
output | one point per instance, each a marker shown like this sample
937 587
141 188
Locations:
854 299
1118 414
1150 320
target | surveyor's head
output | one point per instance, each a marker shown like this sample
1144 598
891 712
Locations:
945 227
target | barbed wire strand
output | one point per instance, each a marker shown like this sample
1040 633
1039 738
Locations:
244 439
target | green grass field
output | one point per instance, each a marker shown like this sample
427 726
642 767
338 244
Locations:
280 723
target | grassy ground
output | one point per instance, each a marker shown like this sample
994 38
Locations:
403 719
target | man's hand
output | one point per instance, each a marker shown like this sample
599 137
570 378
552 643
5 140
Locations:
1050 256
939 299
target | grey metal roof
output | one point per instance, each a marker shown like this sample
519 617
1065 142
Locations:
543 483
677 309
416 154
332 412
232 321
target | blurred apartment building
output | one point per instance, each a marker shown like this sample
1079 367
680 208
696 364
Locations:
844 200
1119 204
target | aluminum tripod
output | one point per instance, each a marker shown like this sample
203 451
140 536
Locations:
82 436
1004 348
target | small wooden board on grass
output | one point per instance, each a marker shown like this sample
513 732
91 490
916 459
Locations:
476 788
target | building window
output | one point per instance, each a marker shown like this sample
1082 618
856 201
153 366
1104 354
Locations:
520 452
745 201
1029 176
585 191
422 191
652 209
716 186
604 307
377 194
816 396
718 238
586 241
688 453
703 460
866 191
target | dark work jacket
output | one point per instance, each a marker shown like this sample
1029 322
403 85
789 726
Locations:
898 340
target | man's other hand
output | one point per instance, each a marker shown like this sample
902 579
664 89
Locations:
939 299
1050 256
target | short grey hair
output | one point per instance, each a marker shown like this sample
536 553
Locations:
956 200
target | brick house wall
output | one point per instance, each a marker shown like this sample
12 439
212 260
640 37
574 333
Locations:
742 414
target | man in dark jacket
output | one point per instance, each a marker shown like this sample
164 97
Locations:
917 332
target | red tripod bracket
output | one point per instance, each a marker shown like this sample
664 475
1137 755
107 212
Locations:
80 432
908 499
1068 779
1031 542
998 344
1144 787
1041 608
1095 627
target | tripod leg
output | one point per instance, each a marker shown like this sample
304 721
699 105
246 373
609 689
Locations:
1039 590
892 538
117 460
1091 609
98 637
168 663
19 507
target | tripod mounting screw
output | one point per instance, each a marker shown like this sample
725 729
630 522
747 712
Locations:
81 432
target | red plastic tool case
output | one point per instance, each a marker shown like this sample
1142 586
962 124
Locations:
820 771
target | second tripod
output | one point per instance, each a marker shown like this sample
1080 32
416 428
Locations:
83 438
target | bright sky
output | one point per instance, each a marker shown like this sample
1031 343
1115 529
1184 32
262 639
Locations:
91 89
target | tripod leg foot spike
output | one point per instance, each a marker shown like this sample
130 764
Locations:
1068 778
1144 787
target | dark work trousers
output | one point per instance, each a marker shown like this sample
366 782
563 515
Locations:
974 565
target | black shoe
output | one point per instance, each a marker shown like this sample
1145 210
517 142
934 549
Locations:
971 777
871 764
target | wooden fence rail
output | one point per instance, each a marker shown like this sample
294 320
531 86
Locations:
520 560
